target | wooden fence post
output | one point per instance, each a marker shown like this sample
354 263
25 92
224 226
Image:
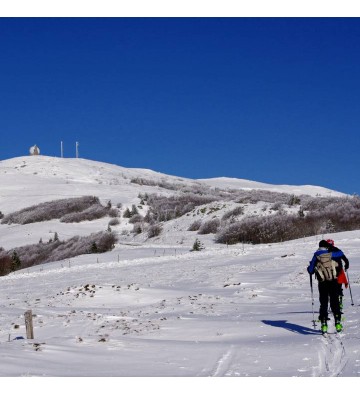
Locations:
29 324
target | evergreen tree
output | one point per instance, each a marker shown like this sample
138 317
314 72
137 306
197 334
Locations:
301 213
94 248
197 246
15 261
127 213
134 210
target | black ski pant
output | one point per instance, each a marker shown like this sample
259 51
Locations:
329 290
340 290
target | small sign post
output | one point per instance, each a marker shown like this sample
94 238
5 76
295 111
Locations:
29 324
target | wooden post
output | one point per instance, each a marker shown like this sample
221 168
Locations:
29 324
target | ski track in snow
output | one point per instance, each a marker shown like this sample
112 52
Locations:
224 363
332 356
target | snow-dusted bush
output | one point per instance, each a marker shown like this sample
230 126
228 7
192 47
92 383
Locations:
209 227
310 203
343 214
276 206
137 228
259 195
154 230
96 211
5 263
256 230
233 213
195 225
337 216
136 218
159 183
51 210
114 222
164 208
113 213
294 200
39 253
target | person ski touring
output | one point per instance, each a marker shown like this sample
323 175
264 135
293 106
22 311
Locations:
324 266
342 279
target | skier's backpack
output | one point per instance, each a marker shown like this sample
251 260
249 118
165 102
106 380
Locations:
326 267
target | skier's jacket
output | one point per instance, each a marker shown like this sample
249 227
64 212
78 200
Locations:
323 256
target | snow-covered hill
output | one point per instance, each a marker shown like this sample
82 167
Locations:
32 179
154 308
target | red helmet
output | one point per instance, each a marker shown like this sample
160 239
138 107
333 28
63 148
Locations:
330 242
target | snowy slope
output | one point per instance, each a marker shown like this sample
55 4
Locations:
157 309
239 311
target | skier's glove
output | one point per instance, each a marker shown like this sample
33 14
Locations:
346 266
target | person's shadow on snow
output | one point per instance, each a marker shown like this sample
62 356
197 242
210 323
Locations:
292 327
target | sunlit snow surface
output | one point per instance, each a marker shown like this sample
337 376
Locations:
155 309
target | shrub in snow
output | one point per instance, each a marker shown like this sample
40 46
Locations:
114 222
195 225
338 215
53 210
134 210
96 211
258 195
209 226
5 263
159 183
113 213
137 228
154 230
136 218
233 213
39 253
301 212
294 200
276 206
165 208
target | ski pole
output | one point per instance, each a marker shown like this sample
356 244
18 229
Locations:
312 299
352 302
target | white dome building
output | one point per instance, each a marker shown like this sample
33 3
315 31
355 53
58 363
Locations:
34 150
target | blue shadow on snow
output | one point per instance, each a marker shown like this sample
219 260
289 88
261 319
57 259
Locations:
292 327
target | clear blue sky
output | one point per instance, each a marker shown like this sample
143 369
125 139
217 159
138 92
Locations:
275 100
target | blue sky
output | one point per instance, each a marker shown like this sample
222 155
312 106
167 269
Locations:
274 100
